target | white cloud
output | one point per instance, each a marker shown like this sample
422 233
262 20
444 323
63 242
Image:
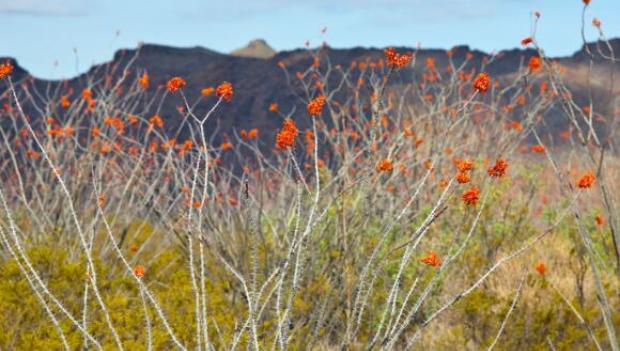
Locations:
44 7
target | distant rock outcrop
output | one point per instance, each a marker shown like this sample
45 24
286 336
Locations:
257 48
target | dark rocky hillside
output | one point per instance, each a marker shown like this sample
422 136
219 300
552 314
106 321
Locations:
260 81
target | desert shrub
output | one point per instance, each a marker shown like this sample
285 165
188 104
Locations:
415 214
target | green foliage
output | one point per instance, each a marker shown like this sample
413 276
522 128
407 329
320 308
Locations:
327 286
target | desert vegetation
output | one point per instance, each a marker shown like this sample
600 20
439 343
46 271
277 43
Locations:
436 213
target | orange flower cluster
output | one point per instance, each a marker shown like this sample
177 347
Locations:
315 106
139 271
428 164
586 180
482 82
539 148
319 164
54 131
534 63
59 131
207 91
310 144
432 259
153 146
253 133
600 220
273 107
33 154
463 177
527 41
541 268
90 105
249 135
175 83
499 169
116 123
156 121
68 131
144 81
169 145
187 145
87 94
471 196
101 200
285 139
224 91
586 110
385 165
64 102
5 69
95 132
464 165
396 60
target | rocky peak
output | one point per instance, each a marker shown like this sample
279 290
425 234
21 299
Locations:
257 48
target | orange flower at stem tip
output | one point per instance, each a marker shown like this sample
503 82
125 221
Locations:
527 41
463 177
87 94
464 165
315 106
499 169
64 102
432 259
534 64
139 271
586 180
156 121
207 91
285 139
470 197
5 69
396 60
541 268
225 91
273 107
385 165
175 83
482 82
144 81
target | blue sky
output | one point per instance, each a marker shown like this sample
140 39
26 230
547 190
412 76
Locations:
61 38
